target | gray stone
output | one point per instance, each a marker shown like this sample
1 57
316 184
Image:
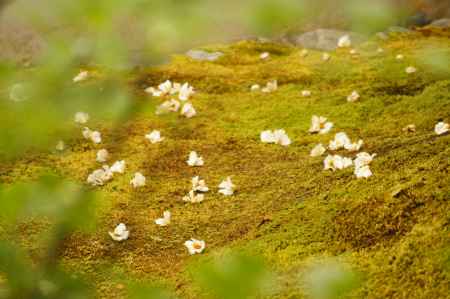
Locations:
441 23
324 39
201 55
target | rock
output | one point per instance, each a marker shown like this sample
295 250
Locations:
201 55
324 39
441 23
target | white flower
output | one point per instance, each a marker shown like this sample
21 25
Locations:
318 150
353 97
363 159
60 146
193 198
270 86
339 141
409 128
410 70
100 176
195 246
154 92
353 52
264 55
165 87
344 42
335 162
94 136
227 187
82 76
306 93
138 180
194 159
199 185
441 128
120 233
102 156
354 147
154 137
277 136
185 92
188 110
399 57
320 125
165 220
326 56
363 172
81 117
304 53
171 105
118 166
255 87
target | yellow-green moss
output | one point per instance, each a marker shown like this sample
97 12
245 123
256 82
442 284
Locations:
392 227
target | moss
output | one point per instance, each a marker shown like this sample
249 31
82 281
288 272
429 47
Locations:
392 227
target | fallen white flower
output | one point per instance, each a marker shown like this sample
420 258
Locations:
363 159
344 42
306 93
270 86
255 87
264 55
277 136
410 70
60 146
318 150
227 187
320 125
154 137
335 162
399 57
154 92
81 117
188 110
195 246
199 185
94 136
363 172
168 106
100 176
118 166
326 56
185 92
354 147
138 180
165 87
353 97
165 220
441 128
192 197
339 141
120 233
102 156
194 159
82 76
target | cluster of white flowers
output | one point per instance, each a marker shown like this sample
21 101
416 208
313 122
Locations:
94 136
319 124
277 136
169 89
341 140
100 176
199 187
335 162
362 162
